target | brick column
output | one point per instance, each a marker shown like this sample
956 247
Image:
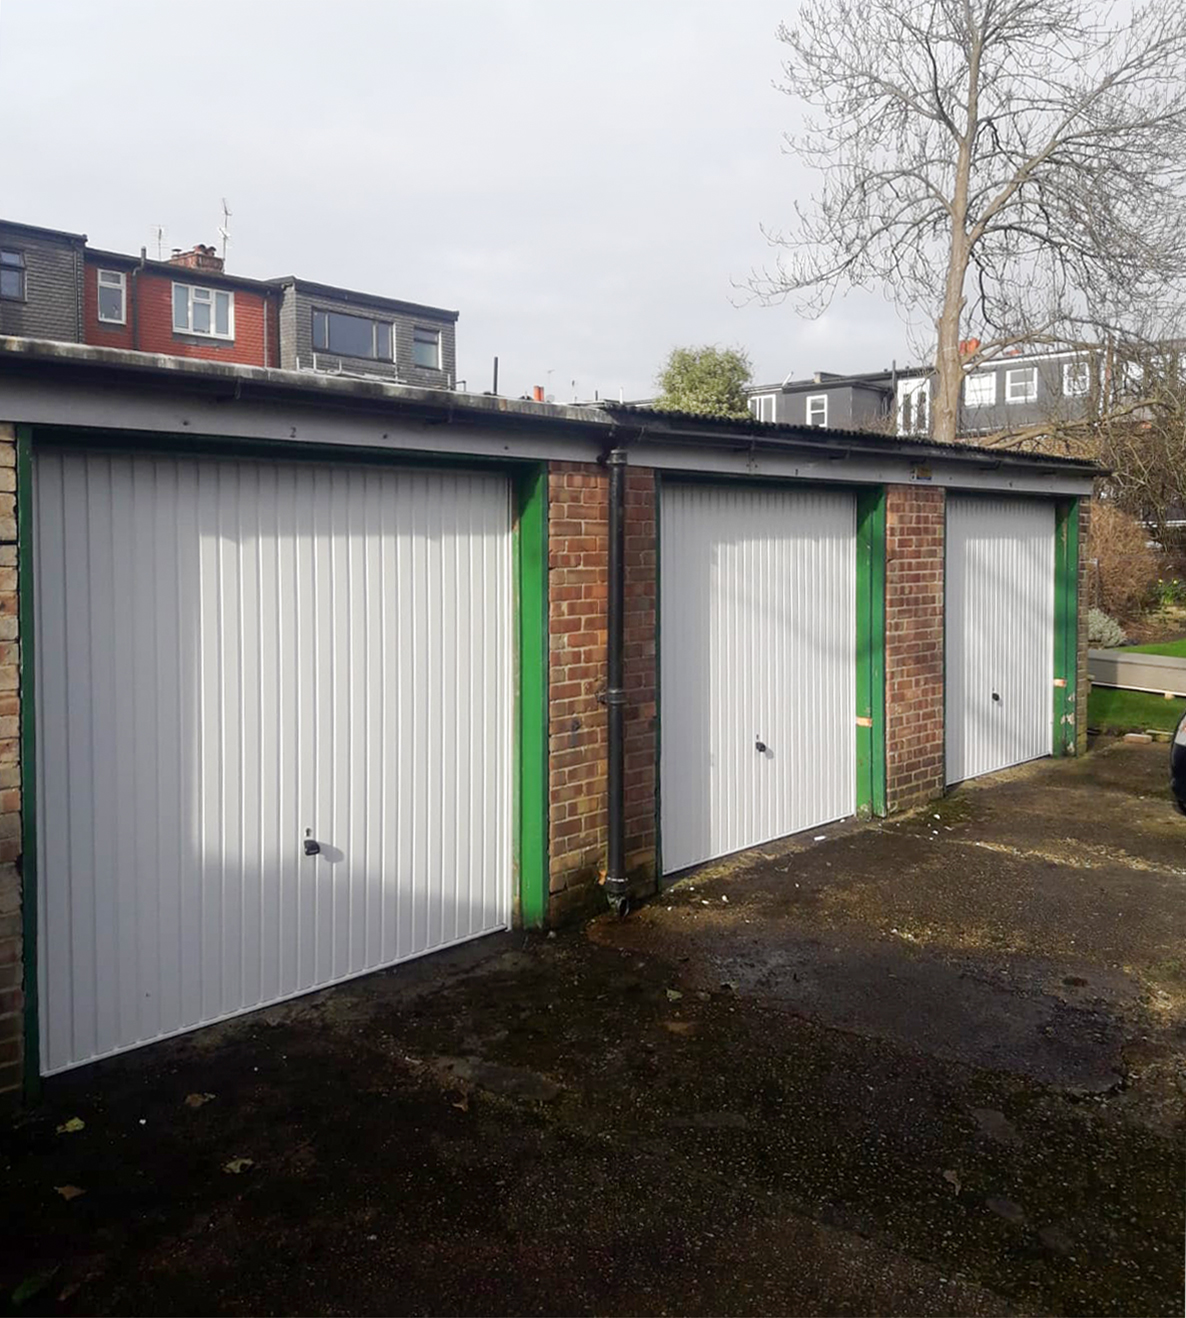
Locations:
914 550
11 987
578 573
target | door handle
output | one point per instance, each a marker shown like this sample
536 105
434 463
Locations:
760 746
312 846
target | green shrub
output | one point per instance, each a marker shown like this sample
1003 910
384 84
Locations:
1103 630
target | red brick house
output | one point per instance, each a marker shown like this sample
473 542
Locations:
187 306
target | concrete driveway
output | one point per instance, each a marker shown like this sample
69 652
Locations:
935 1065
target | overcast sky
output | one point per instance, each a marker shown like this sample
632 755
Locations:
581 179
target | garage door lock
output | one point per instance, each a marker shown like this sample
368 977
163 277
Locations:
312 847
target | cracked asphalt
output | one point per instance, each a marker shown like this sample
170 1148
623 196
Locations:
929 1065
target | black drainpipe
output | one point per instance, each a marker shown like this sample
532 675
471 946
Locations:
616 887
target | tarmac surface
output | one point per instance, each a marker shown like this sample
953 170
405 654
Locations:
929 1065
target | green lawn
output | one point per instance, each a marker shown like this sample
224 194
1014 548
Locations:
1112 710
1175 648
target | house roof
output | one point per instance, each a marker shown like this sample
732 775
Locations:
38 231
185 273
867 379
363 299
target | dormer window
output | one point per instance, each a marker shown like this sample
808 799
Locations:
12 275
208 312
112 296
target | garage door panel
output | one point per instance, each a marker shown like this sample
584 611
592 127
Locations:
228 654
999 633
758 642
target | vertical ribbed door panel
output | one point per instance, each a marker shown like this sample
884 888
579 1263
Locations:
232 656
758 608
999 633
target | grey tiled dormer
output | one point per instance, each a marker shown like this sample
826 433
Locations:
41 283
340 331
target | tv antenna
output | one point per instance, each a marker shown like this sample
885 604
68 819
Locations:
224 229
159 233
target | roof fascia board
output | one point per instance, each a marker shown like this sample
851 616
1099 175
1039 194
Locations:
860 469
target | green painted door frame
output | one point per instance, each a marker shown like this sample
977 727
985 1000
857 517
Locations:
1066 625
870 640
531 758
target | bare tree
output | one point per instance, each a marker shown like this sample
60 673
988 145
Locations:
1012 169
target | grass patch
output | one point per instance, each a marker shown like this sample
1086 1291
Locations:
1112 710
1175 648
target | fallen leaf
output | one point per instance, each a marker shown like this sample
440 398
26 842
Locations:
238 1165
680 1027
674 995
1007 1209
953 1179
69 1192
33 1285
69 1127
197 1100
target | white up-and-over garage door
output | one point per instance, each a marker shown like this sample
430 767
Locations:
233 657
758 665
999 633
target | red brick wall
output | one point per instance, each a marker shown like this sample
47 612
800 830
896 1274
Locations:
154 320
11 996
913 644
578 538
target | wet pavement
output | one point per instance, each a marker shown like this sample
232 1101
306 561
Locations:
924 1066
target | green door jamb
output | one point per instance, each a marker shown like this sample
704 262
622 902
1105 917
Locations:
1066 625
531 759
870 640
28 750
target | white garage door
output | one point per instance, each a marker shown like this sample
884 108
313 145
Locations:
1000 633
758 667
232 656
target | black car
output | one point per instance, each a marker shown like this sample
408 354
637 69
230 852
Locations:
1178 766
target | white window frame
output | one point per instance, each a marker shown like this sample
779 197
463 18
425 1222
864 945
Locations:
1021 384
112 279
915 391
440 346
762 406
987 386
817 403
202 293
1076 379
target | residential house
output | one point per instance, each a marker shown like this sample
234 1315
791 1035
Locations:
323 328
187 306
866 401
53 286
1008 393
41 282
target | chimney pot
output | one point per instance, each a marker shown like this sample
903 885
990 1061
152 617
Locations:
199 257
